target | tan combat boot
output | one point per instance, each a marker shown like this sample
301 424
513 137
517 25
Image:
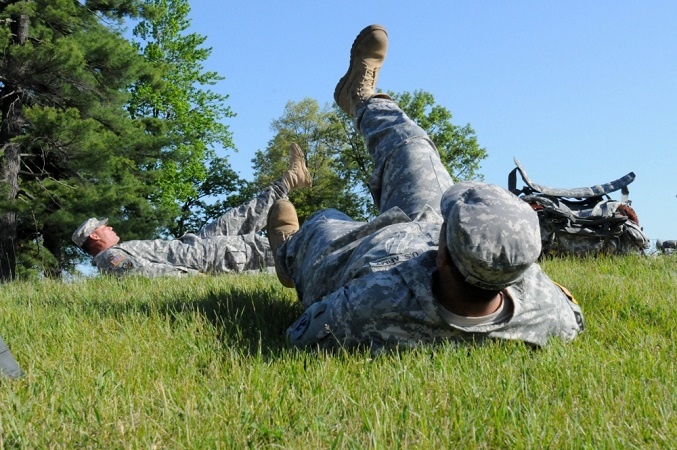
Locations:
282 224
366 58
298 175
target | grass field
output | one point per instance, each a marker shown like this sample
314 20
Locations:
202 363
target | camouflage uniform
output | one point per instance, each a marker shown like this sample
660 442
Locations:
228 244
8 365
371 283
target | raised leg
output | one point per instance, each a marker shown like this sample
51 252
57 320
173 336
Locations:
408 172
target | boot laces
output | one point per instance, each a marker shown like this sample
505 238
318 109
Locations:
367 82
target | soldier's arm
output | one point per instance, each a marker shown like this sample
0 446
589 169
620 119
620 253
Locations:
363 312
120 264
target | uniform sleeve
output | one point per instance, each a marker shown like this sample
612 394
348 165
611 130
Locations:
120 264
374 311
543 310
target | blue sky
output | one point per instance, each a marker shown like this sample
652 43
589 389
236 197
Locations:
580 92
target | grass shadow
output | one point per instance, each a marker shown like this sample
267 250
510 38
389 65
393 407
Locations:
249 313
255 321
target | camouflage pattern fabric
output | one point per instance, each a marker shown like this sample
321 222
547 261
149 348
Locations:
371 283
583 221
581 192
228 244
493 237
586 227
8 365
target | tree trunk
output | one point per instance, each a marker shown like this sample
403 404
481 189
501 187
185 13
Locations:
8 218
11 108
53 244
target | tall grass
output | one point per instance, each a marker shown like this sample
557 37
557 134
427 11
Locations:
201 363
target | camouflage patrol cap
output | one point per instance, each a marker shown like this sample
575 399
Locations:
87 227
493 236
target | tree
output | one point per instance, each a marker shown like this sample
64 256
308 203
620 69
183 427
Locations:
459 150
338 158
318 133
189 172
68 146
12 101
458 147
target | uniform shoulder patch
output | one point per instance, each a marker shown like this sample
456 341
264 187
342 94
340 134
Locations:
116 260
120 265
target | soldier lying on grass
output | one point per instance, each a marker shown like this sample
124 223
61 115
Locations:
228 244
440 262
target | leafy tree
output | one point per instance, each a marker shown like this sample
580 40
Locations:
458 147
338 158
318 133
459 150
190 173
69 148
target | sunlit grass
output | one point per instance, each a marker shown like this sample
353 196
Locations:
202 363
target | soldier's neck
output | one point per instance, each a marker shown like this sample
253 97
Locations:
446 295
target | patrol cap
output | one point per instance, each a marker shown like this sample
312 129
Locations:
86 228
493 236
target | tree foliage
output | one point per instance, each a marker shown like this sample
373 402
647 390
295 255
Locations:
459 150
318 133
93 125
190 172
339 161
69 148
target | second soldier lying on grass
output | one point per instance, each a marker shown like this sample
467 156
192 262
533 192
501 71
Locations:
228 244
